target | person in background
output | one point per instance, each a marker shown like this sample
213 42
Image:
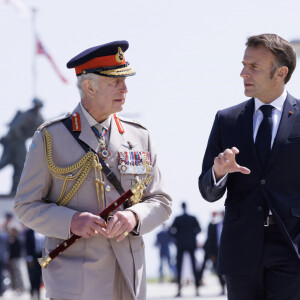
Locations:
3 258
16 259
211 246
33 245
163 242
184 230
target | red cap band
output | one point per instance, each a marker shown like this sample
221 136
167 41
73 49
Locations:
99 62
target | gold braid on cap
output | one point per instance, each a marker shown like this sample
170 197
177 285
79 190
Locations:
115 72
83 166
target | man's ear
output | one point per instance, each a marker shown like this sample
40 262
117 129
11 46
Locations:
281 73
88 87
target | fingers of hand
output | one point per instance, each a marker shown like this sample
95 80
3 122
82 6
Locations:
235 150
123 236
111 223
117 225
96 229
243 170
118 229
86 224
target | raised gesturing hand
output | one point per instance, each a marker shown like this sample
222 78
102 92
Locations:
225 163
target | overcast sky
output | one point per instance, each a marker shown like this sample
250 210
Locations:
187 55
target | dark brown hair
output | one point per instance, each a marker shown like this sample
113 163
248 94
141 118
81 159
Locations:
283 51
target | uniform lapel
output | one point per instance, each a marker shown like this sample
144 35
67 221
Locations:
87 135
246 131
116 138
287 120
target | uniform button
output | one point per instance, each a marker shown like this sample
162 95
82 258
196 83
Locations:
107 165
263 181
107 188
259 209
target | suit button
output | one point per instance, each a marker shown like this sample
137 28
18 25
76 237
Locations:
259 209
263 181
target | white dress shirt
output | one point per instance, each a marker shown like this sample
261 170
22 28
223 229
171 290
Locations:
257 119
92 122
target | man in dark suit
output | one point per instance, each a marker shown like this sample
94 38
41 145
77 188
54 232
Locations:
211 248
163 241
185 229
253 153
34 242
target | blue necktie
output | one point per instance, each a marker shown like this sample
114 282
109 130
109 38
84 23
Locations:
264 136
263 142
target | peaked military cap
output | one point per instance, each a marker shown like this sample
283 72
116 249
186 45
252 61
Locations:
105 60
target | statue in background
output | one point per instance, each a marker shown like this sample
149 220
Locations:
21 128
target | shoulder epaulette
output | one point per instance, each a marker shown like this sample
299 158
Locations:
131 121
47 123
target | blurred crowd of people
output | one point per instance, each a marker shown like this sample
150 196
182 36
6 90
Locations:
19 249
183 259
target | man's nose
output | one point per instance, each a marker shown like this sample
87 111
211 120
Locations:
123 87
244 73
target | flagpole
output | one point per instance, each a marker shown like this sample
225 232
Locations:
34 37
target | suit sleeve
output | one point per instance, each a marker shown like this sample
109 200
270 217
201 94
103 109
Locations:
208 190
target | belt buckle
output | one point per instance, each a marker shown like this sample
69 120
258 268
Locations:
267 222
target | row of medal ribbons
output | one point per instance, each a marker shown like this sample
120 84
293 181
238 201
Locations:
135 162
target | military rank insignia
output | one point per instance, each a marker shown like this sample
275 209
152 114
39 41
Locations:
135 162
120 55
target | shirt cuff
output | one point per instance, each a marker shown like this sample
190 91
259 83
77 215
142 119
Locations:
221 182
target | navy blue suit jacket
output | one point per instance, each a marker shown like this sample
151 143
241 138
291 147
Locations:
241 245
185 229
211 245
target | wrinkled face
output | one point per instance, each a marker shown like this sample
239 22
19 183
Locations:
258 80
110 95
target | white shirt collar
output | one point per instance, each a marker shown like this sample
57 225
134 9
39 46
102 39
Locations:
277 103
92 121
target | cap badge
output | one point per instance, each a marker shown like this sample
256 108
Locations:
120 55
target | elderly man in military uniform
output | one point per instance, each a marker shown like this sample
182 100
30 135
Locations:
79 164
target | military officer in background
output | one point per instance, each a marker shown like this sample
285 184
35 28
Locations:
63 186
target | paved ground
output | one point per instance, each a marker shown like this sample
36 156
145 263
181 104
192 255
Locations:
167 291
156 291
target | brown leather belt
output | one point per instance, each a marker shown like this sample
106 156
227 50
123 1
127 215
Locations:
270 220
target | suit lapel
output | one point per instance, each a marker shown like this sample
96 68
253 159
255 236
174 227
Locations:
285 125
246 131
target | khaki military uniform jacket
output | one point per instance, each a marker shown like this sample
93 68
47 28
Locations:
86 270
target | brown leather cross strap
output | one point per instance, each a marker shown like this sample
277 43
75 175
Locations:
111 176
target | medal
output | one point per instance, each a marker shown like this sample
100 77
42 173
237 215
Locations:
123 167
104 153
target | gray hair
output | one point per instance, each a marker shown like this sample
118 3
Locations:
90 76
